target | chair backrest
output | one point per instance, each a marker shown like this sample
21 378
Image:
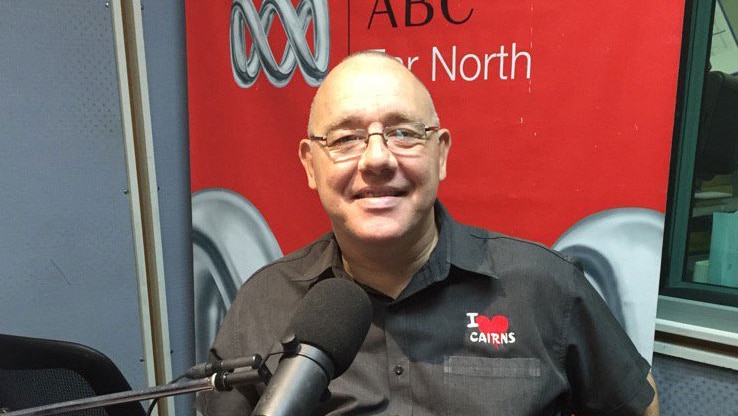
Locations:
37 372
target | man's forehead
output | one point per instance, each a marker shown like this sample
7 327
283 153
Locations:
370 88
358 104
367 83
358 111
350 114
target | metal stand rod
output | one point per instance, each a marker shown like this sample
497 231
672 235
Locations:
117 398
221 381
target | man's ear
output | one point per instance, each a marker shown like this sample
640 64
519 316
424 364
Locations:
306 157
444 145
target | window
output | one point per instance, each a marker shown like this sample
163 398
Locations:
698 303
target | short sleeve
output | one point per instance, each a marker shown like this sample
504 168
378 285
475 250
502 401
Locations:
607 374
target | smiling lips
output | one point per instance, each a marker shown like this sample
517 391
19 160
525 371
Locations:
378 193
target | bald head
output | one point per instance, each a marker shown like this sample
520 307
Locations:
363 84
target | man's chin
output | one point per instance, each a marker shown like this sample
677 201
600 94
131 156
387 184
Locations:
376 231
375 235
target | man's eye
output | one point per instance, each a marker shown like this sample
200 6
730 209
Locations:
403 133
347 139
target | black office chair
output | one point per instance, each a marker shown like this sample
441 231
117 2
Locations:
36 372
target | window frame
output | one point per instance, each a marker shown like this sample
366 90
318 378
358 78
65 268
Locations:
693 321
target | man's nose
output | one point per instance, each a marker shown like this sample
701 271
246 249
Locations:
377 155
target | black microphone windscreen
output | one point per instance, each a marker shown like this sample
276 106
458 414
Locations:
334 317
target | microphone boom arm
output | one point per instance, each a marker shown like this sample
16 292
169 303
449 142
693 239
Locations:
218 381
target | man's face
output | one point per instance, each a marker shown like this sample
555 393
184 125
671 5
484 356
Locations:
377 196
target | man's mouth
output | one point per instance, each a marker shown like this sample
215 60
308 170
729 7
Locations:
378 193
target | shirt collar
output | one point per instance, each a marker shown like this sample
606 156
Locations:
326 256
458 245
464 247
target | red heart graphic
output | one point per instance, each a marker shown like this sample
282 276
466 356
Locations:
497 325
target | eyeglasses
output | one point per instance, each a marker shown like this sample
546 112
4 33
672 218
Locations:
402 139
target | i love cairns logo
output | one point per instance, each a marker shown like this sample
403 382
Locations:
490 330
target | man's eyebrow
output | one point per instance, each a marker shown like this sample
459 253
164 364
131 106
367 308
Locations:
354 122
345 123
399 117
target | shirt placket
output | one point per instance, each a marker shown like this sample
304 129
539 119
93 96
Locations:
399 371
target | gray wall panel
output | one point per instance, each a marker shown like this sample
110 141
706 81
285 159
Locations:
68 268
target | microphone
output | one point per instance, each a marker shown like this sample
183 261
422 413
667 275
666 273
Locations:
329 327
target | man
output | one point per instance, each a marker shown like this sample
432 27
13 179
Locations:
466 321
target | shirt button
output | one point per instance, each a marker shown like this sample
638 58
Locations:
399 370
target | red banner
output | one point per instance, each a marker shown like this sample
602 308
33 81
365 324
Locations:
557 109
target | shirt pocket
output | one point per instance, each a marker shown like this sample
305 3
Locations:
483 385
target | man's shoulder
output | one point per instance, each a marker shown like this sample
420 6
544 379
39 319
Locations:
505 248
265 302
303 264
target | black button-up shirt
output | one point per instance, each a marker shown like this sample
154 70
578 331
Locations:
490 325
